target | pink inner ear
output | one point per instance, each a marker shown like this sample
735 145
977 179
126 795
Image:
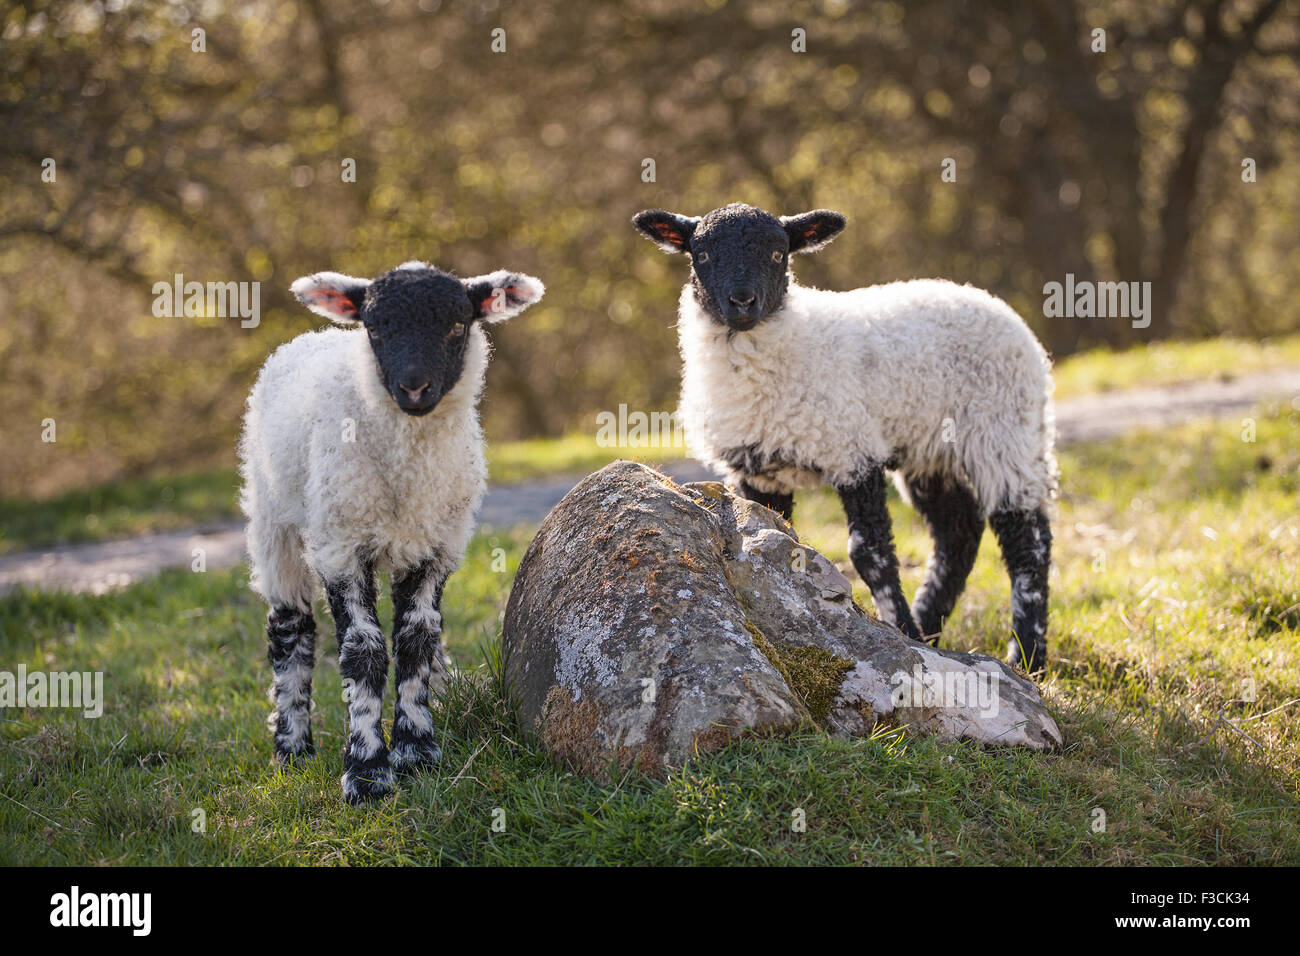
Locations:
665 231
509 290
333 300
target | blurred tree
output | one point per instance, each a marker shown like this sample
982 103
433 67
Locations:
1095 122
226 165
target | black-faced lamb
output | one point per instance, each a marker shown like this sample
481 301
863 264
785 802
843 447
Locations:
362 452
785 387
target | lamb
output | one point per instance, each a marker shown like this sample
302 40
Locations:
787 387
362 452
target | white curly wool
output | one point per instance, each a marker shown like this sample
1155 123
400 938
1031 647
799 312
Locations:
930 376
332 467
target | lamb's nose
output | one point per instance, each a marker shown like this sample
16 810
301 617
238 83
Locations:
414 393
742 300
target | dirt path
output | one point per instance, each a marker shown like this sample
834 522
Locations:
1098 417
99 567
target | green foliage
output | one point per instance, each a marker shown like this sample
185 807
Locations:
1153 642
226 165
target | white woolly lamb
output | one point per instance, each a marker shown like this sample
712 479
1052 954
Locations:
787 387
362 452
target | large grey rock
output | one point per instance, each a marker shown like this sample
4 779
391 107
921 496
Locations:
651 621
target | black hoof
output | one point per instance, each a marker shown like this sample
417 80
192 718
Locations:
296 757
1032 660
410 757
368 782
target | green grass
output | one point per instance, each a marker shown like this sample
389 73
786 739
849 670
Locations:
120 509
1175 585
182 501
1169 363
577 454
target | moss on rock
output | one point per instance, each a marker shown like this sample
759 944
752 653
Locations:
814 674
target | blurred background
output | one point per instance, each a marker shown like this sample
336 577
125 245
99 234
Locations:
225 165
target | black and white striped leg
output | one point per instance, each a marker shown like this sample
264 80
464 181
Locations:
291 649
871 548
782 504
1026 541
417 648
363 662
956 525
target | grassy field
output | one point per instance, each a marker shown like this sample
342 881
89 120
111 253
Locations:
1176 679
1169 363
182 501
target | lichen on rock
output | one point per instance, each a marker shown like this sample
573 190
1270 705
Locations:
650 622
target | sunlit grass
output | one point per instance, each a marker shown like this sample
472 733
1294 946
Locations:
1174 596
120 509
576 454
1165 363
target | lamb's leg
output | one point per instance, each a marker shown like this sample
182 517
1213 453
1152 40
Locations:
1026 541
956 525
782 504
363 661
291 649
871 548
417 649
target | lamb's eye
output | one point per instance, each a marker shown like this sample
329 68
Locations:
457 331
701 256
778 255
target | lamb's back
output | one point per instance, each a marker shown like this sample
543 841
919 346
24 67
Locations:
919 351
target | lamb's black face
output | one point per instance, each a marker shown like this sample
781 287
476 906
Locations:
418 321
739 255
738 265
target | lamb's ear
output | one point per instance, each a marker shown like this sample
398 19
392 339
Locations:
810 231
333 295
500 295
667 230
